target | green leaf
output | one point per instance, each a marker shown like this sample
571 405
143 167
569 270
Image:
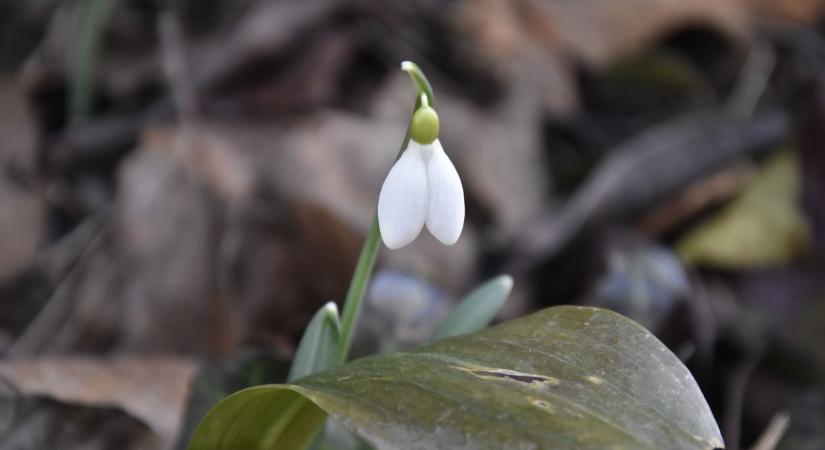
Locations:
217 379
477 309
318 349
565 377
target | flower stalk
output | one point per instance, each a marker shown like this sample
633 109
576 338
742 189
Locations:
369 252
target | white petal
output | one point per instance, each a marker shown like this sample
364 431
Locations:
402 203
445 218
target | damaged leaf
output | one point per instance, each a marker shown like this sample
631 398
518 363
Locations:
565 377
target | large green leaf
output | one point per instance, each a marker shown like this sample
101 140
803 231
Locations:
565 377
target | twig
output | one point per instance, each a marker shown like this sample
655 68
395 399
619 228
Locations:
57 259
646 169
104 138
773 433
256 36
753 79
703 330
57 307
735 401
175 66
718 187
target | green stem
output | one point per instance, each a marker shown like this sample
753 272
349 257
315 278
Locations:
357 288
369 252
360 279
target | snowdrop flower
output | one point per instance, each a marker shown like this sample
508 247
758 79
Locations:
422 188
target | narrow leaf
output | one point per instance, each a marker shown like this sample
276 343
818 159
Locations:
318 349
477 309
565 377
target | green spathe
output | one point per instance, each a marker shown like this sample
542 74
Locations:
565 377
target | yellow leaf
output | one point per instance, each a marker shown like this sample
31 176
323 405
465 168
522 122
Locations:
764 225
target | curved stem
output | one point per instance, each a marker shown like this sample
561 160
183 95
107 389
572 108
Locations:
419 80
357 288
369 252
360 279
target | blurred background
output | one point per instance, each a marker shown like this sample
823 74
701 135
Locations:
184 182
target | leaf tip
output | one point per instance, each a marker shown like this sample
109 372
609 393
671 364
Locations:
506 282
331 310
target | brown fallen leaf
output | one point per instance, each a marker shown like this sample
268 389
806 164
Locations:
543 43
269 255
152 389
598 32
167 228
805 11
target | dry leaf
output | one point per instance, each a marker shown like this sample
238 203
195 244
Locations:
153 390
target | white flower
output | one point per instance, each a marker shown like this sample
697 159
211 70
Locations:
422 188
